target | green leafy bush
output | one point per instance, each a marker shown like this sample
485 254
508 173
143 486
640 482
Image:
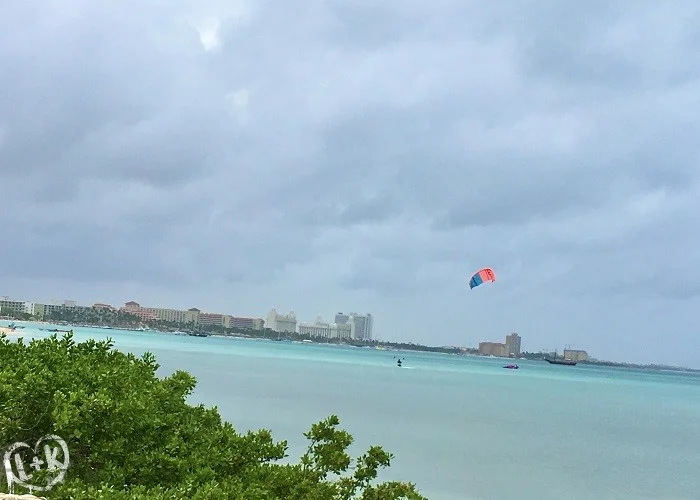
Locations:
132 435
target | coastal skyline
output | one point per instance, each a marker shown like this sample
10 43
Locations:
343 326
361 324
319 330
257 156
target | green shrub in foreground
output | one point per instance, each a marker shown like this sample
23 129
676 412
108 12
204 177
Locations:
131 435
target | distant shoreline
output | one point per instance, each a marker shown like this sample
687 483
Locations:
376 345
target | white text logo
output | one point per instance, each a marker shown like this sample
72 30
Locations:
22 463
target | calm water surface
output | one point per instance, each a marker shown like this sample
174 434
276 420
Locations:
461 427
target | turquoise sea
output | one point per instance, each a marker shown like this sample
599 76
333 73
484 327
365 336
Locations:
461 427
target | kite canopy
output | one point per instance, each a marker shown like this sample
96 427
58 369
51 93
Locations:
485 274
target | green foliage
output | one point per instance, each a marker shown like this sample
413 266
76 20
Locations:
131 435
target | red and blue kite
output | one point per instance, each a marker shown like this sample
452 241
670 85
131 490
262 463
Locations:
485 274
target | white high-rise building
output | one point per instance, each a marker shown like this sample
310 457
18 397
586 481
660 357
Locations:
361 326
281 322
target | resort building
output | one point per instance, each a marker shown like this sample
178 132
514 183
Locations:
15 306
341 318
282 322
511 347
492 349
161 314
322 329
360 325
35 309
212 319
67 304
135 309
246 323
39 310
513 344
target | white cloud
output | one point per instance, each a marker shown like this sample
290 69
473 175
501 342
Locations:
209 34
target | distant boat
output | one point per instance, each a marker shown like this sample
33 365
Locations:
562 361
567 362
511 367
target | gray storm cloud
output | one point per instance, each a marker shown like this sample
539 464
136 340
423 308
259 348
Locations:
233 155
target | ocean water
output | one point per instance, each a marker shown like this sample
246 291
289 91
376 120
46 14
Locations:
460 427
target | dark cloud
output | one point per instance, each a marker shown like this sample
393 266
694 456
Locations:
349 155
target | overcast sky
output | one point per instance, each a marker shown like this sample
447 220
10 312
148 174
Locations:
346 155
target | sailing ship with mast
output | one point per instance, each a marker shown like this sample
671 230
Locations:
561 361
